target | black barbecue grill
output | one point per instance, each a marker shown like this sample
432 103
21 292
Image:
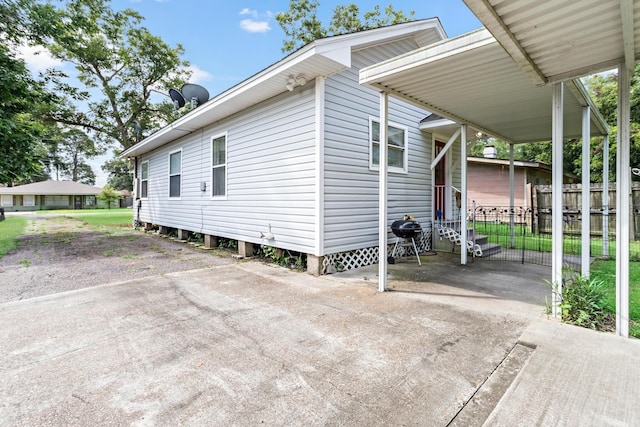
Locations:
405 230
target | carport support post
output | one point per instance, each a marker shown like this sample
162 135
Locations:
382 214
512 196
463 196
623 188
556 200
605 197
586 191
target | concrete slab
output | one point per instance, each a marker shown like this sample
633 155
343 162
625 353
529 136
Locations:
490 286
244 344
575 377
256 344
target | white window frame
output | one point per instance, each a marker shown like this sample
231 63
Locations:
405 157
29 200
174 174
226 169
7 200
142 179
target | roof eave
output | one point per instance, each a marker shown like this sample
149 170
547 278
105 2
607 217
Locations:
328 56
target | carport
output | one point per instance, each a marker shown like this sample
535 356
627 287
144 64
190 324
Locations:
515 80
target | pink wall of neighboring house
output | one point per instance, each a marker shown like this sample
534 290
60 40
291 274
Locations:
488 181
488 185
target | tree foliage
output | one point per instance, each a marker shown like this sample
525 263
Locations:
108 195
301 24
603 88
21 99
120 174
74 149
119 63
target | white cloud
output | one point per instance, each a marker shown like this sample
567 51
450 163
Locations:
38 59
247 11
199 75
254 26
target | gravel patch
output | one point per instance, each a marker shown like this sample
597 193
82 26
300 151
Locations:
59 253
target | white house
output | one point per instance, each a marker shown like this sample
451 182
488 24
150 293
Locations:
289 157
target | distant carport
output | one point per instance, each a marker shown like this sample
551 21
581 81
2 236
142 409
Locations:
514 81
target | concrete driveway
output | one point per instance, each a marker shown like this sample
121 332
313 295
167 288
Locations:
254 344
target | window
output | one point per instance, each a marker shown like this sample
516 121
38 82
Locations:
57 201
144 179
29 200
175 171
7 200
219 166
90 200
397 140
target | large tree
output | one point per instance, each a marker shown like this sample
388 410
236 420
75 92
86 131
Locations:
120 174
75 149
119 64
22 100
301 24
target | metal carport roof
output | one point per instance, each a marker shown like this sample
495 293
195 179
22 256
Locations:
557 40
472 80
551 42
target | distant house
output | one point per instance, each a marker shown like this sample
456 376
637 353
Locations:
46 195
488 181
289 158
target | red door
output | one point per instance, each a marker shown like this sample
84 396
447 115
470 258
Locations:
439 183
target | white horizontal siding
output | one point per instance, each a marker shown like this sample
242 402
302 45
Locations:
270 176
351 189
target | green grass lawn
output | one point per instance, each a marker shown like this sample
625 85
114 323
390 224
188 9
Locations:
98 217
116 217
523 237
606 271
10 229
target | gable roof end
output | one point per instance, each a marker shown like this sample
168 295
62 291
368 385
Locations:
322 57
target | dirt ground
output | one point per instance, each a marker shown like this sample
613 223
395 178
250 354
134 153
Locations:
60 253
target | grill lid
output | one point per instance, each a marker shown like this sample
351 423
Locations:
405 228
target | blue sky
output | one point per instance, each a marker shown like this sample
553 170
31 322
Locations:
229 41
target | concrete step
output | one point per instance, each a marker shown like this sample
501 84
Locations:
489 249
480 240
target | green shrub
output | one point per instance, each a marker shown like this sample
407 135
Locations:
285 258
583 302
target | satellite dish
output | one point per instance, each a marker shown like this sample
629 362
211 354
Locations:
178 99
195 93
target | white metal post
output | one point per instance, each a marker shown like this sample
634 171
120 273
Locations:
382 214
605 197
512 197
623 188
586 192
463 196
556 201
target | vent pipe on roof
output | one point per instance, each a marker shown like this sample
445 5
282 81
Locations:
490 152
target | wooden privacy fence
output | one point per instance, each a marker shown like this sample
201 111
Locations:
572 208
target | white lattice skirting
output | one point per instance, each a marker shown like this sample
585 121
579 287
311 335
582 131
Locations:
343 261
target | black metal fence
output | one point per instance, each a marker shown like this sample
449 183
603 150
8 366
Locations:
524 234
